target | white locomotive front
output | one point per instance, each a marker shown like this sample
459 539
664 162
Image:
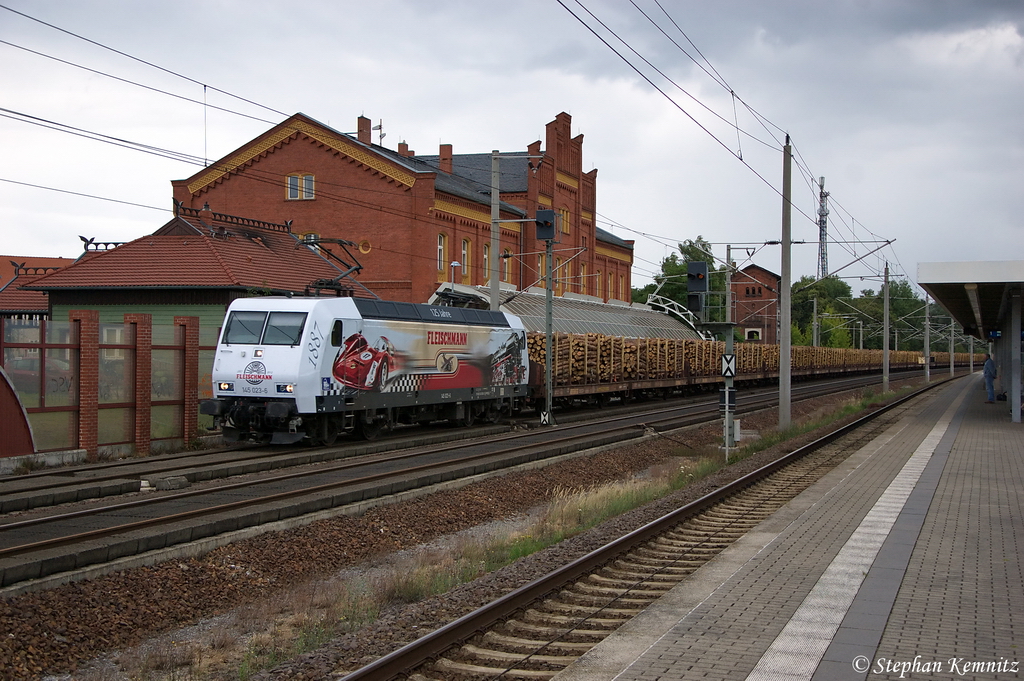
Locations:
289 369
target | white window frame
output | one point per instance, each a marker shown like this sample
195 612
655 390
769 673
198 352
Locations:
300 187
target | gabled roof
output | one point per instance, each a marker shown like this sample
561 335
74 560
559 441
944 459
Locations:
200 249
404 170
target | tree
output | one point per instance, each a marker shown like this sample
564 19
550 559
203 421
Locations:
671 281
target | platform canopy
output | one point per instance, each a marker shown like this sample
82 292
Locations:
985 299
976 294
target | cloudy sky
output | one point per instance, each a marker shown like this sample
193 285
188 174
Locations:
910 109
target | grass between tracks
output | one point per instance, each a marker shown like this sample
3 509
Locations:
315 613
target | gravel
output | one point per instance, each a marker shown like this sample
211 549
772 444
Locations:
188 613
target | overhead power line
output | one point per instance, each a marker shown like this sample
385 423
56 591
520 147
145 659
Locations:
141 61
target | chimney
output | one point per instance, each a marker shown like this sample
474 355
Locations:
445 159
363 129
403 150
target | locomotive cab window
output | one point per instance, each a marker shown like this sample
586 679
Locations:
244 328
284 328
274 328
336 336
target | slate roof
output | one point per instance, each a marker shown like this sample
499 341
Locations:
514 172
204 250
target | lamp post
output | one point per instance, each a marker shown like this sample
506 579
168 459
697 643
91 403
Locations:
455 263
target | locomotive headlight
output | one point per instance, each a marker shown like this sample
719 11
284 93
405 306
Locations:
285 388
257 353
226 386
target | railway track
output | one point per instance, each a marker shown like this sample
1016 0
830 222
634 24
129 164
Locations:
75 483
538 630
37 547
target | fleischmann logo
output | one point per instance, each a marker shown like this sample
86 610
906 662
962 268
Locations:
254 373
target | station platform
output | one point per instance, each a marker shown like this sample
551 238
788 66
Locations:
906 562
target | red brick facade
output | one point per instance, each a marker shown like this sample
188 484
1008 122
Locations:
412 216
755 295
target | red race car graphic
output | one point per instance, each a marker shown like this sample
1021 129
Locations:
363 367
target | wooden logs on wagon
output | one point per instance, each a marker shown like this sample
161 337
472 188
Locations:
585 359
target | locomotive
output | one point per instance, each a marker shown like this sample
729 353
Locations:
292 369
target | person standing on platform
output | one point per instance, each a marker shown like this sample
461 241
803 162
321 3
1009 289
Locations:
990 378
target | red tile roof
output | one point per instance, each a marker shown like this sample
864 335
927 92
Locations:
16 301
204 250
30 262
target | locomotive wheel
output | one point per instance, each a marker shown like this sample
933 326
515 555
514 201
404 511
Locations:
492 414
469 419
328 431
370 431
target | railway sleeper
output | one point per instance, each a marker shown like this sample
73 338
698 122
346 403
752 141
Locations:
669 544
636 597
589 609
529 645
503 656
604 601
547 618
550 633
640 573
669 578
447 668
735 531
637 563
633 585
669 556
677 564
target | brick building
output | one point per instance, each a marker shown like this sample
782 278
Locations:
412 216
755 295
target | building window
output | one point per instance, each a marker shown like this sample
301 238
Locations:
759 294
441 250
486 262
611 286
622 285
753 334
300 187
506 256
466 251
583 278
597 280
564 212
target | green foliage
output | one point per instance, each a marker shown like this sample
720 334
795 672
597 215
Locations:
673 282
